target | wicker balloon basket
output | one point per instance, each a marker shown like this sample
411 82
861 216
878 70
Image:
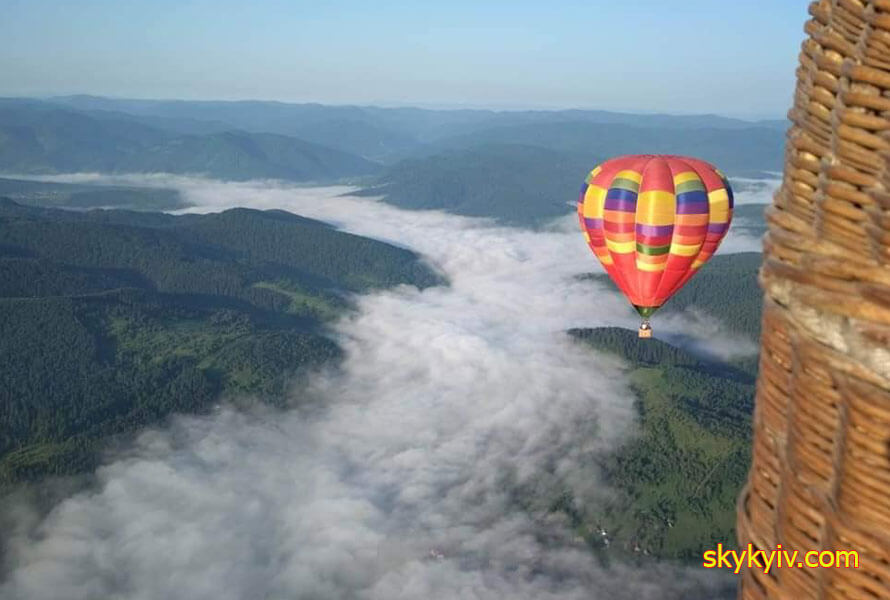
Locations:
820 476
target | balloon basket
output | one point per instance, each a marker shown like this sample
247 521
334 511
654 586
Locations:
645 330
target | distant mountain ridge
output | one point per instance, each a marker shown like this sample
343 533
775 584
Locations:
43 138
379 134
425 124
519 167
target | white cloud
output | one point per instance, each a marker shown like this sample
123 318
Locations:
754 191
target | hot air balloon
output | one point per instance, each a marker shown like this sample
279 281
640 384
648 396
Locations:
653 221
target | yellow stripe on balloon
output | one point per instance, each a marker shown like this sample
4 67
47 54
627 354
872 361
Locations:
603 255
718 203
685 176
651 267
594 198
620 237
621 247
685 250
719 215
628 174
656 207
718 195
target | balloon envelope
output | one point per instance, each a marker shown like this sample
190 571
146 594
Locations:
653 221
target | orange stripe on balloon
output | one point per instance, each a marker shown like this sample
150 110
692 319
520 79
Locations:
688 240
619 216
691 220
653 260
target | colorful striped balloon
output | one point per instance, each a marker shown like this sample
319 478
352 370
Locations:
653 221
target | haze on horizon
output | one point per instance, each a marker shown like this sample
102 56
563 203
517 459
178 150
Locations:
696 57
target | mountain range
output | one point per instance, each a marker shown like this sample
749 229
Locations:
323 144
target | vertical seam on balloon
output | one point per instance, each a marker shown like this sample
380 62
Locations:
624 284
614 274
637 273
692 271
668 160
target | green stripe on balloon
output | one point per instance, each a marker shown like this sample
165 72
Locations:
653 250
690 186
625 184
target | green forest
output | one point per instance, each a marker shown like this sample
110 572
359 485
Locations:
111 320
678 478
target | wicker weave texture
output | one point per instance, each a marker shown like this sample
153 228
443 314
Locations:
820 475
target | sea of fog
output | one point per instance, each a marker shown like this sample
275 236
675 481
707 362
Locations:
396 480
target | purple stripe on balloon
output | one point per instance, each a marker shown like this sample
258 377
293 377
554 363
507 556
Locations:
593 223
621 204
693 196
693 208
621 194
718 227
654 230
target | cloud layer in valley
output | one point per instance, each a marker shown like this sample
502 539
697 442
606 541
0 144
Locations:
398 479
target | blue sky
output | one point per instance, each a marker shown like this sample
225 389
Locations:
734 58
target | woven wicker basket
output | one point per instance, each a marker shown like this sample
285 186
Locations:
820 476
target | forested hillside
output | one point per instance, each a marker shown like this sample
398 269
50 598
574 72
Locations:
726 288
735 151
518 185
82 196
520 181
679 477
111 320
